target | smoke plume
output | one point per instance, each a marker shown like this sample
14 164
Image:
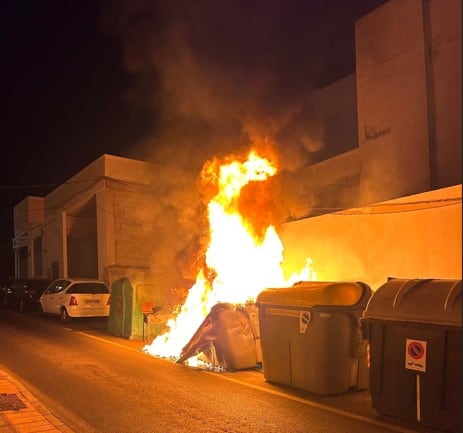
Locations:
222 77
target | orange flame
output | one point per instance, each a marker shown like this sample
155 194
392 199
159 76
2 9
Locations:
240 261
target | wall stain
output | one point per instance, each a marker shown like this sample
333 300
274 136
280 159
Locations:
371 133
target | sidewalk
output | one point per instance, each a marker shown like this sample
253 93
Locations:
21 412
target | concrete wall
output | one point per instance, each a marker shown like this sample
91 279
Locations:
408 84
106 166
417 236
408 55
445 23
53 235
105 229
132 248
391 98
129 170
334 108
323 187
28 213
125 241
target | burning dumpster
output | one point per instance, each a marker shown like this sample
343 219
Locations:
415 336
227 338
311 336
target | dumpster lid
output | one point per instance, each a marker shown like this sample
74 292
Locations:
435 301
310 293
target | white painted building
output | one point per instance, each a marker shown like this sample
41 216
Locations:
86 227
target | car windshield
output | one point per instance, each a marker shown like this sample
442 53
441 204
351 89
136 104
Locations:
88 287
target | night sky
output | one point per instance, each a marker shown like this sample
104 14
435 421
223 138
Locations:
172 82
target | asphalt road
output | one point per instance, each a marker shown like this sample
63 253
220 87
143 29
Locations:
95 382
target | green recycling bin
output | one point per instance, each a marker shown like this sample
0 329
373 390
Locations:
414 331
127 317
311 336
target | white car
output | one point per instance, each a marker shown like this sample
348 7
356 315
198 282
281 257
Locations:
76 297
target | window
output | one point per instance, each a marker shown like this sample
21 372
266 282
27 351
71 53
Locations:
57 286
89 287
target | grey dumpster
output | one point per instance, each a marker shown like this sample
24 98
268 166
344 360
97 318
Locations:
414 332
311 336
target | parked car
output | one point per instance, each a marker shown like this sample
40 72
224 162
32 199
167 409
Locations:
3 289
22 293
76 297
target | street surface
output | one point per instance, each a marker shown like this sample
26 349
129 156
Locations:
95 382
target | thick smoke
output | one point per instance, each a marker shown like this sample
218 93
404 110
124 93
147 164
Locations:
222 77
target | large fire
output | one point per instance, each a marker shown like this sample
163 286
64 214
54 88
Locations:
240 260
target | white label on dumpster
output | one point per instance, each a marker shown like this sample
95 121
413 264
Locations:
415 355
282 312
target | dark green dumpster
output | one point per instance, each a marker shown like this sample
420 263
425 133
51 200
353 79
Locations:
414 332
311 336
132 308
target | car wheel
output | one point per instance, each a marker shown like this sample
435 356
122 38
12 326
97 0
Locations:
40 309
65 318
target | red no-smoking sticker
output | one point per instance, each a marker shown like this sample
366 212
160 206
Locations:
415 354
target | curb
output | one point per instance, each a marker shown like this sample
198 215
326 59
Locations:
29 415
